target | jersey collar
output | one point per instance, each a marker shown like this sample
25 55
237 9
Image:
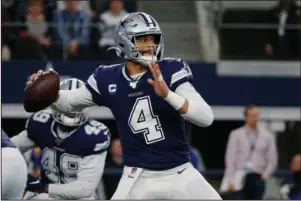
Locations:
54 132
128 77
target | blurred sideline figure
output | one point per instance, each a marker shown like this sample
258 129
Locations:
291 187
251 157
14 171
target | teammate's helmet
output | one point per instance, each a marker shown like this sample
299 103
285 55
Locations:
71 119
133 25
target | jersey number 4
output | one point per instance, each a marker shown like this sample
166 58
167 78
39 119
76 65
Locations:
143 120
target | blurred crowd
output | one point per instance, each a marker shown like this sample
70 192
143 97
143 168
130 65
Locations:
267 34
38 29
71 30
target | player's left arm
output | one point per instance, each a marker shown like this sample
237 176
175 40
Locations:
88 177
184 98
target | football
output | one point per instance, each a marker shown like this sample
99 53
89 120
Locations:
42 92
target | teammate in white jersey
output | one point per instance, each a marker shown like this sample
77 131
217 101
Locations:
73 152
150 96
14 170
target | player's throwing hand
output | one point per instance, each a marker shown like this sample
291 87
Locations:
158 83
36 75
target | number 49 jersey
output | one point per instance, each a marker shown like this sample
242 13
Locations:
152 133
61 156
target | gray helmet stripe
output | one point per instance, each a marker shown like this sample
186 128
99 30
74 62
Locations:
148 22
70 85
74 84
77 84
153 20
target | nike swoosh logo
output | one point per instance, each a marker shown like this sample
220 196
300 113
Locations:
34 182
180 172
106 132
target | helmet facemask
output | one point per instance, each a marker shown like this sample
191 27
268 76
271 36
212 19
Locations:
147 54
73 119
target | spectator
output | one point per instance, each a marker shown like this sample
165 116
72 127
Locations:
86 6
6 30
129 5
291 189
283 43
108 22
116 161
251 149
72 31
35 34
196 159
5 35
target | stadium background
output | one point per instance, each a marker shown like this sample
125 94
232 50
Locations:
225 44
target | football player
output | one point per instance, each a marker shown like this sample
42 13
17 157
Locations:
150 96
14 170
73 150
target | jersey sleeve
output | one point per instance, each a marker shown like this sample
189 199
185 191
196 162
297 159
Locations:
30 127
98 136
35 124
93 84
180 74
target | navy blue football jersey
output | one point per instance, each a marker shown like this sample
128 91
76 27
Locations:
5 141
152 133
61 157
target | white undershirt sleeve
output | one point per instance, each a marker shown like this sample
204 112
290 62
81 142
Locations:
22 142
73 100
88 177
199 112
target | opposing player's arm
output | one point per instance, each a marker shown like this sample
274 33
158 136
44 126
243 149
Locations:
23 142
88 176
78 99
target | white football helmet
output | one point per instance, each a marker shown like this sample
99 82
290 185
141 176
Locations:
72 119
133 25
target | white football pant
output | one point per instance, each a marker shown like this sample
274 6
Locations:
36 196
182 182
45 196
14 174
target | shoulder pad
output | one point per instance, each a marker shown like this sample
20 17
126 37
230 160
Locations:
98 136
37 121
177 72
40 117
101 71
